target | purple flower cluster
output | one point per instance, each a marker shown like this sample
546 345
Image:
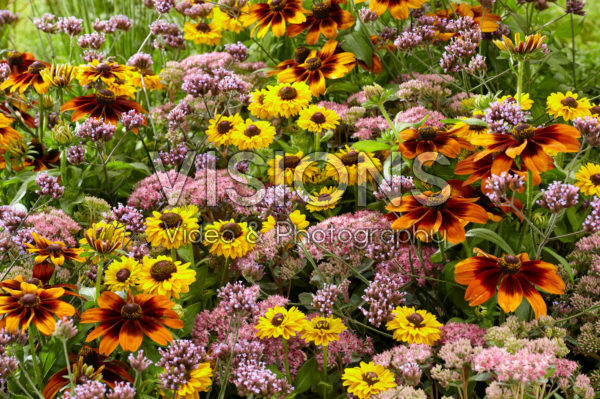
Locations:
71 26
11 217
498 187
76 154
116 22
139 362
49 186
178 360
416 114
237 299
96 130
592 221
461 47
7 17
589 127
164 6
55 225
575 7
394 186
453 331
168 35
559 196
253 378
89 389
93 40
503 116
128 216
384 293
199 84
46 23
238 51
325 298
132 120
121 390
366 15
194 11
175 156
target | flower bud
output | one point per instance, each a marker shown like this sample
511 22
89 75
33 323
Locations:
62 133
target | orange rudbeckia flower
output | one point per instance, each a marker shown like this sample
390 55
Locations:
57 251
105 104
517 276
18 62
29 303
274 14
529 143
329 62
326 18
108 371
398 8
431 139
126 323
482 169
446 212
31 77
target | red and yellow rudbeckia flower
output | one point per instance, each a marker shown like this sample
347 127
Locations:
517 276
326 18
530 144
274 15
126 322
327 63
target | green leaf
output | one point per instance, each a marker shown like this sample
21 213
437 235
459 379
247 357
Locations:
357 44
371 146
561 260
307 376
490 236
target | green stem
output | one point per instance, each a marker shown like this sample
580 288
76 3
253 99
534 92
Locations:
64 344
287 363
99 271
324 375
520 73
225 272
317 138
34 359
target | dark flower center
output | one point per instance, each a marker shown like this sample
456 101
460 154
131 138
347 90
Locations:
171 220
202 27
34 281
510 264
426 133
29 301
277 5
322 10
224 126
89 355
436 202
131 311
324 197
231 231
318 118
287 93
102 68
313 63
252 131
15 58
290 161
36 68
595 110
322 325
54 248
162 270
415 319
105 96
569 102
370 378
277 319
300 54
595 178
350 158
123 275
523 131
